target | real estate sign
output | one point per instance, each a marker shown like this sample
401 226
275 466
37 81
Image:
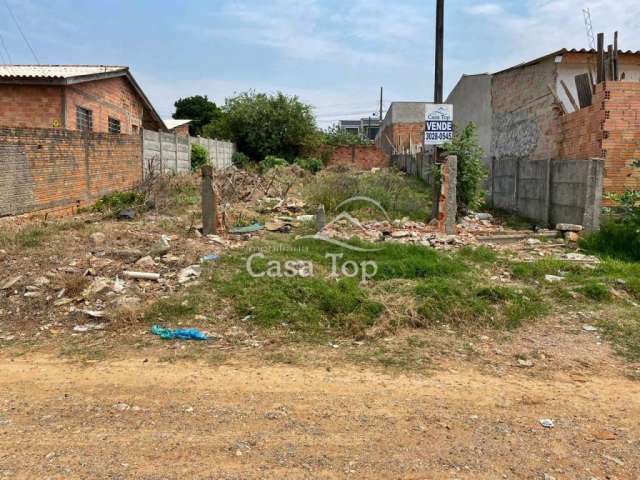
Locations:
438 124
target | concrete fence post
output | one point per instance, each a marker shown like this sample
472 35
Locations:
548 186
175 142
160 154
516 181
493 181
593 200
448 208
208 202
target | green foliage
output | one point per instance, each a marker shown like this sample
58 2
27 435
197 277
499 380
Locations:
619 235
399 194
471 169
114 202
240 160
312 164
337 136
624 333
596 291
199 156
262 124
464 303
271 161
200 110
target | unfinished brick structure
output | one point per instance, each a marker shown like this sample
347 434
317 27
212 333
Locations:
57 171
74 97
608 129
361 156
402 130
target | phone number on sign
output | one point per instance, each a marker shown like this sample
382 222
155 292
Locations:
439 135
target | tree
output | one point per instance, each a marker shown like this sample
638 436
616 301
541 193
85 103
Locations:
337 136
263 124
471 169
199 109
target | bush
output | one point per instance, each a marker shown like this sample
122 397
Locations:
337 136
399 194
471 169
311 164
619 236
271 161
240 160
199 156
114 202
262 124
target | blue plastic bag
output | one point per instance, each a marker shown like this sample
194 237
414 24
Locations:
180 333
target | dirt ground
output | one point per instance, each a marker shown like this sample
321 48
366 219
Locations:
473 414
116 402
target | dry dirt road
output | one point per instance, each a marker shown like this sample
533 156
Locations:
145 420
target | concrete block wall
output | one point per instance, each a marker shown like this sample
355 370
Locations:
57 171
360 156
171 152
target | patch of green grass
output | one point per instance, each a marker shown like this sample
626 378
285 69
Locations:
480 254
117 201
596 291
624 333
32 236
399 194
615 238
466 304
185 194
311 307
173 309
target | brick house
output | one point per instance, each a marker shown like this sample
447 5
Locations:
402 129
180 127
97 98
525 114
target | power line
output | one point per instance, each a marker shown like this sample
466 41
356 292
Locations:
4 47
24 37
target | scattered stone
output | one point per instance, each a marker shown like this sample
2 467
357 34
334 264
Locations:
98 240
533 241
571 237
525 363
162 247
400 234
579 257
89 326
122 407
127 214
569 227
127 254
549 477
547 423
10 283
146 263
99 285
62 301
483 216
41 281
99 262
603 435
189 273
553 278
33 294
613 459
3 254
589 328
93 313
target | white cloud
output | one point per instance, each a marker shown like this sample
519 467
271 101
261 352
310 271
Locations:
486 9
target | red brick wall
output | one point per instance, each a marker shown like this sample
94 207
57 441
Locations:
113 97
58 170
40 106
37 106
362 156
609 129
182 130
399 137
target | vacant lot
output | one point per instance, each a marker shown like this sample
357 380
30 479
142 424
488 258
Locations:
441 365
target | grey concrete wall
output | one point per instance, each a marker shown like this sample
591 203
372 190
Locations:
168 152
471 99
550 192
419 165
405 112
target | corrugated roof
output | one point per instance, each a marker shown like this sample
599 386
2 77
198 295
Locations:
562 52
172 123
57 71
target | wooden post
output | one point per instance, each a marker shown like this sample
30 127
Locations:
600 70
209 202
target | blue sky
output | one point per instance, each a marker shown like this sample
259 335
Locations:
333 54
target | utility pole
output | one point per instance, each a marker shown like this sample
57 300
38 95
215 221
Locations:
380 106
437 96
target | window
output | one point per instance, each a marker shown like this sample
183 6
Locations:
114 125
84 119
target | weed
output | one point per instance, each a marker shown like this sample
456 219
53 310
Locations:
117 201
596 291
623 330
74 284
400 195
30 237
480 254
